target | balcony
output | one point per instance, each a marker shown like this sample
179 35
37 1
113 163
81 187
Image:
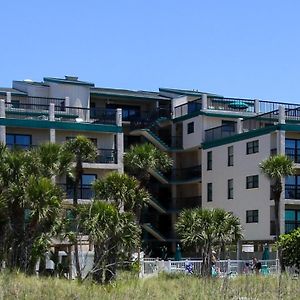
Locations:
37 108
107 156
184 174
85 192
187 108
220 132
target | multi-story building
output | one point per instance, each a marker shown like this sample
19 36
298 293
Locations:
216 144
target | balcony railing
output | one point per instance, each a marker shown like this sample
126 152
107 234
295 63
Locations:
147 118
85 192
187 108
292 191
220 132
107 156
182 174
187 202
38 108
231 104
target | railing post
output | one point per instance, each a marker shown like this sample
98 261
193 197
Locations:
281 114
52 119
239 125
120 144
228 266
256 106
8 97
169 266
204 101
2 116
142 268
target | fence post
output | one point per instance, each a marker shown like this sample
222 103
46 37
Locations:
169 266
142 268
256 106
228 266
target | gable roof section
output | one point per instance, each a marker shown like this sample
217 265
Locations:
123 93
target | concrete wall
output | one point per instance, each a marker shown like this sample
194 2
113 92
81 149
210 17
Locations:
244 199
79 95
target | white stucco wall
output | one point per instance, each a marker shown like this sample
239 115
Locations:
244 199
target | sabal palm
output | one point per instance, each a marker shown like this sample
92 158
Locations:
25 179
122 190
113 234
82 150
140 159
276 168
207 228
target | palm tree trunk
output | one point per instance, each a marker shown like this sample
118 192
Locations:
78 173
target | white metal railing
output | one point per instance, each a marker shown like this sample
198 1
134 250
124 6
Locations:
222 267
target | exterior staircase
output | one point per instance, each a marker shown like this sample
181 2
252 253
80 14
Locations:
154 232
156 205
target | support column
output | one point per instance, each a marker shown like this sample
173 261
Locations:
120 141
8 97
281 114
2 127
239 125
204 101
281 150
256 106
173 190
52 119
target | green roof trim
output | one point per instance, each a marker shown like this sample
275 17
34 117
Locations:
60 125
14 92
118 93
68 81
188 92
250 134
209 114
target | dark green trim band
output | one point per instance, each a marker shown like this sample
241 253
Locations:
60 125
251 134
66 81
241 136
209 114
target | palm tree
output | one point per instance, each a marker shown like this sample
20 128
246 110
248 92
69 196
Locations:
276 168
113 233
82 150
207 228
140 159
29 200
124 191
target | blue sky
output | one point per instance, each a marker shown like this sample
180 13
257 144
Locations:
233 48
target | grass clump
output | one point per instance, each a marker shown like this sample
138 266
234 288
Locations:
164 286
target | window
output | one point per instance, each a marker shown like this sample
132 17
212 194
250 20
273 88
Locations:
209 192
129 112
190 127
230 189
292 149
85 186
230 156
252 182
21 141
209 160
292 219
252 216
252 147
292 187
228 126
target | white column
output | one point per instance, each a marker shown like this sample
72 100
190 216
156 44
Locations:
204 101
8 97
120 141
239 125
281 150
2 127
52 119
281 114
256 106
